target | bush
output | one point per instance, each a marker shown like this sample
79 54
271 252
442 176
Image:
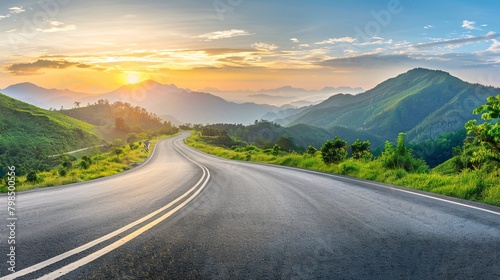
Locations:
32 177
400 157
63 172
334 151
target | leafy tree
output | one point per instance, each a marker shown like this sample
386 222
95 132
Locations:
334 151
286 143
311 150
361 150
487 134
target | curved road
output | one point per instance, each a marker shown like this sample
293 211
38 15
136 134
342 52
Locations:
187 215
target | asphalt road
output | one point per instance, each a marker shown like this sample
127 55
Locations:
217 219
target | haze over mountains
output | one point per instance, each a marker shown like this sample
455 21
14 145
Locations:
180 105
424 103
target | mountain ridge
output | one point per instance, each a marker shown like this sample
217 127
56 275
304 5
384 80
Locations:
422 102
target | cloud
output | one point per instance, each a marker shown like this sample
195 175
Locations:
295 40
56 26
223 51
223 34
495 47
367 61
6 16
469 25
428 26
264 47
337 40
35 67
460 41
16 10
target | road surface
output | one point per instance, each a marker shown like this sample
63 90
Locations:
187 215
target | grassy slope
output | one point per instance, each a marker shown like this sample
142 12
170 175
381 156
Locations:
103 165
29 135
472 185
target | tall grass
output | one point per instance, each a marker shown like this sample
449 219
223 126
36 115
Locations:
476 185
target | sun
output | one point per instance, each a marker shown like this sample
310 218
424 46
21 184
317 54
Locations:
132 79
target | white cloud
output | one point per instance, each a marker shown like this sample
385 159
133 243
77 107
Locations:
495 47
16 10
264 46
295 40
223 34
57 26
376 40
428 26
337 40
6 16
304 46
469 25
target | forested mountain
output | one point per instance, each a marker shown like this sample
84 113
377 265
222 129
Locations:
424 103
28 135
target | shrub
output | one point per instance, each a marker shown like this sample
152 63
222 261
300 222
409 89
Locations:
334 151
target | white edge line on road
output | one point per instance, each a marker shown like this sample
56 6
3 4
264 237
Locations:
93 243
352 179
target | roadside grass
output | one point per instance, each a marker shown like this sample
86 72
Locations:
98 165
475 185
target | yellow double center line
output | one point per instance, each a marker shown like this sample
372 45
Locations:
192 193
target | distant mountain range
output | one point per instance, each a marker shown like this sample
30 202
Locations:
424 103
283 96
167 101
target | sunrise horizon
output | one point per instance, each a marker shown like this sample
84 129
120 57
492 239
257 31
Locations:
241 45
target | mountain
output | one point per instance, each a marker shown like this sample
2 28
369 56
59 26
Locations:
287 95
28 135
168 101
424 103
185 105
44 98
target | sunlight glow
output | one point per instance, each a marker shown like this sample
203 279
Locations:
132 78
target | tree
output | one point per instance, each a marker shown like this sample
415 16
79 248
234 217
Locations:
311 150
334 151
77 104
286 143
361 150
120 124
487 134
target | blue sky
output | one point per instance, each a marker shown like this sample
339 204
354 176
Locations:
96 45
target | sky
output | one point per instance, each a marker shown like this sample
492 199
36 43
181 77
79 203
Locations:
99 45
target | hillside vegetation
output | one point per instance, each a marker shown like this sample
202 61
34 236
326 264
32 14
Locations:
29 135
120 119
473 173
423 103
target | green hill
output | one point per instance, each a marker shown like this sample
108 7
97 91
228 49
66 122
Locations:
424 103
28 135
118 119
